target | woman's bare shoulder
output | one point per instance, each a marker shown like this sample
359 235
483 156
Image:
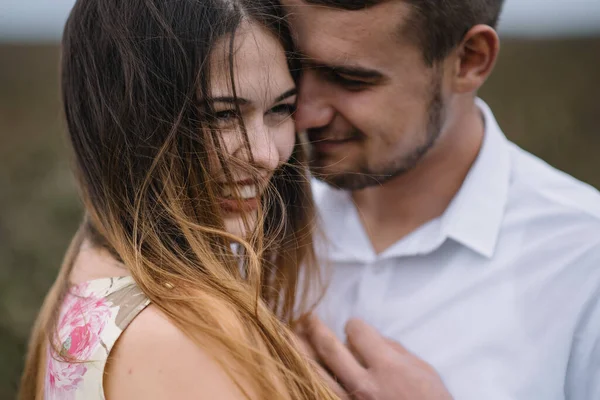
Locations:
153 359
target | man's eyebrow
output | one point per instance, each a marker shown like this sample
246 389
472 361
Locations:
288 93
355 71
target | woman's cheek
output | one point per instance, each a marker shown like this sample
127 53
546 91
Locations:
285 138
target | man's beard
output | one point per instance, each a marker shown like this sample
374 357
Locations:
364 176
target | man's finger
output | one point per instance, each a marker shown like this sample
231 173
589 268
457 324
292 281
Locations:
306 348
332 383
370 347
398 347
335 355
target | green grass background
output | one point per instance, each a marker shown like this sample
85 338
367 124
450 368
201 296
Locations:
544 94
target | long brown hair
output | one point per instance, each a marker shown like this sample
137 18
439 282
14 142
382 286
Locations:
134 73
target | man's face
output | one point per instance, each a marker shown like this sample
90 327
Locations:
369 103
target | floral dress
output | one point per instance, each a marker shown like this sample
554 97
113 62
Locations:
92 317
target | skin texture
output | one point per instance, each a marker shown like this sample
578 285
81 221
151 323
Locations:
155 360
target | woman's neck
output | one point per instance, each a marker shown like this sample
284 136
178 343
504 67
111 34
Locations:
93 262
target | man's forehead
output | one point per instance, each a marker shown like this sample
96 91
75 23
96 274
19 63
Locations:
329 33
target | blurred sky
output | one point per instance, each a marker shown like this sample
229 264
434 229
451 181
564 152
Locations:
44 19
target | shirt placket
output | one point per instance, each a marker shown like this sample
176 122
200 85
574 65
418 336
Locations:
372 289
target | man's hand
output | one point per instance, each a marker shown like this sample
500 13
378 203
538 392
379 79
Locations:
372 367
309 352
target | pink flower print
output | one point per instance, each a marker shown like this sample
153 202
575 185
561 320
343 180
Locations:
82 319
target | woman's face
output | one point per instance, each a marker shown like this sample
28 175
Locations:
266 96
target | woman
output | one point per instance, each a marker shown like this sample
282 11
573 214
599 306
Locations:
182 280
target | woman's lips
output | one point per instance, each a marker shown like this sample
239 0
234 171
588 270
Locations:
238 206
248 197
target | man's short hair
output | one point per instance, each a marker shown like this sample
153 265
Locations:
437 26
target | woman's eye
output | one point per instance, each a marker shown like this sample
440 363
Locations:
284 109
226 116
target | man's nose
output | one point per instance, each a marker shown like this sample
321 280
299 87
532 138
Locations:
314 109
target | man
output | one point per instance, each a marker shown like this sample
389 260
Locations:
478 260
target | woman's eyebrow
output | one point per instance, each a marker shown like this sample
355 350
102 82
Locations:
242 101
228 99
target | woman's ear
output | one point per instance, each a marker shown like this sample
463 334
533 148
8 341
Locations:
475 58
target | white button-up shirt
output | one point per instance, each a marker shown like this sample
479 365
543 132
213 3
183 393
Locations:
501 294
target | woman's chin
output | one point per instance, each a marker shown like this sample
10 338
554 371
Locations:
234 224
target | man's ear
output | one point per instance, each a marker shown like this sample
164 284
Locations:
474 58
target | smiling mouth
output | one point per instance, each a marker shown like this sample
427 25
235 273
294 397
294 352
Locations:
247 191
248 199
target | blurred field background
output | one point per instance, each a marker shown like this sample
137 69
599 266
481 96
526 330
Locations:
543 92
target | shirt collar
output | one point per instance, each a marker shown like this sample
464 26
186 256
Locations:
473 218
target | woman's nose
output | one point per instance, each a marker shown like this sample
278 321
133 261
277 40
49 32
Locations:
261 144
